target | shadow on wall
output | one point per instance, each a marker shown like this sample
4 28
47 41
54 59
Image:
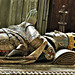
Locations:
14 11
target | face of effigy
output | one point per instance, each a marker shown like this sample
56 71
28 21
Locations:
60 38
56 34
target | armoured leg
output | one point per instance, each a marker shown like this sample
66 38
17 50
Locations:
9 41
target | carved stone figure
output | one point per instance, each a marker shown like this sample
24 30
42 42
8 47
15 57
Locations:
23 44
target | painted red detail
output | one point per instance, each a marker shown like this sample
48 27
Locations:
50 53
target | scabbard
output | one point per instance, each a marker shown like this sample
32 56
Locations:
18 58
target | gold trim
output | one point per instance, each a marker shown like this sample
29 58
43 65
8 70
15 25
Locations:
71 41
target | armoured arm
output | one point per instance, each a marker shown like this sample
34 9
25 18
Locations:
34 38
